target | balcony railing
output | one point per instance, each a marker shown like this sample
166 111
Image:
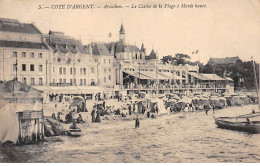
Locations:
167 86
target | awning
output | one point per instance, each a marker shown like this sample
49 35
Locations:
198 76
137 75
171 76
69 89
229 79
214 77
154 76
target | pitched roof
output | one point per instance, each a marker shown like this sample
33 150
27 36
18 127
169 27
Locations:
17 44
120 46
133 48
122 29
227 60
100 49
214 77
58 41
152 54
11 25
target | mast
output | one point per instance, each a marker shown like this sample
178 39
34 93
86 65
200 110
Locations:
157 81
255 78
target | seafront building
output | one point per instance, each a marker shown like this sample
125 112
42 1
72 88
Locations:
23 54
58 64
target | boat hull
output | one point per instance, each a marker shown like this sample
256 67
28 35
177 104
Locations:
74 132
239 126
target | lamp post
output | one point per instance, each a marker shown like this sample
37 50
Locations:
213 67
139 79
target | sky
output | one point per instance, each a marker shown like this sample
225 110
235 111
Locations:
224 28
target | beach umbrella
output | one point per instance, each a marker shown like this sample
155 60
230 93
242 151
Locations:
196 93
185 100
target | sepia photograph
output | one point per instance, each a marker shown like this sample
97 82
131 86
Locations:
129 81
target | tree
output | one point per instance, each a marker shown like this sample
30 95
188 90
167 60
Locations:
168 60
182 58
176 60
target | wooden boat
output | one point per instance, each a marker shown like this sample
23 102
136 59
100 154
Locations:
74 131
246 125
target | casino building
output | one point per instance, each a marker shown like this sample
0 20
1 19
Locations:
56 63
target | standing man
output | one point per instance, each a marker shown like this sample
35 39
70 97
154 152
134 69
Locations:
93 113
137 122
129 109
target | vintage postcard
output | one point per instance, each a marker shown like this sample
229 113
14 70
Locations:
129 81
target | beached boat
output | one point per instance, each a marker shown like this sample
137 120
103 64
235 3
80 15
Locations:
246 125
74 131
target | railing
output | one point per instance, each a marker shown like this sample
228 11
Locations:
182 86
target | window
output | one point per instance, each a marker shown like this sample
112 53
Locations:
105 70
105 79
75 81
14 54
80 71
92 70
96 60
54 80
32 55
75 70
40 55
60 70
32 81
24 80
64 70
53 69
60 80
71 71
109 70
40 67
24 54
14 66
85 82
71 82
23 67
40 81
81 81
109 61
84 71
64 80
104 60
109 77
31 67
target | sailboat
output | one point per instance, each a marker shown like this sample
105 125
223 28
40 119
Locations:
242 122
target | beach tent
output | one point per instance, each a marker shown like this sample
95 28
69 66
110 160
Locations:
24 96
228 99
216 101
9 127
141 103
223 101
160 104
235 101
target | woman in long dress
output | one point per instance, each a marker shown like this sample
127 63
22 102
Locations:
98 120
93 114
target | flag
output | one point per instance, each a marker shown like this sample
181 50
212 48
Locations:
195 52
109 35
